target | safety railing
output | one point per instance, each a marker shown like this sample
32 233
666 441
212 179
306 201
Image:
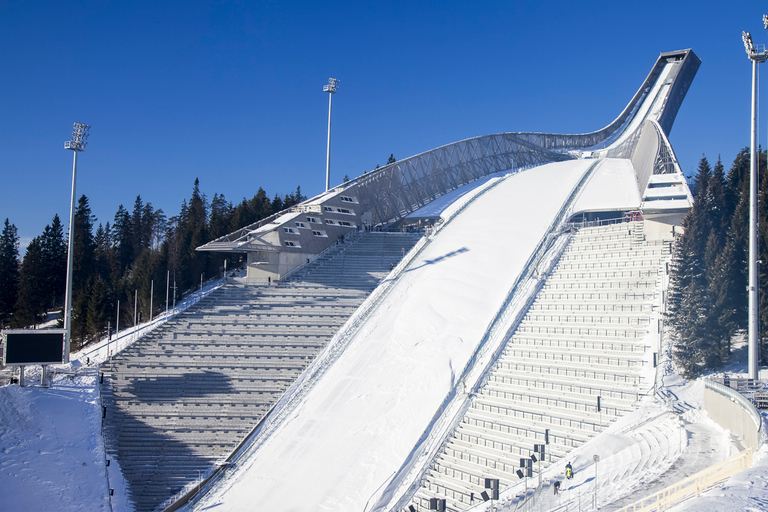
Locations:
509 314
694 485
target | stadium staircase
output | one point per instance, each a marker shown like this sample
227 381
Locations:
181 399
582 338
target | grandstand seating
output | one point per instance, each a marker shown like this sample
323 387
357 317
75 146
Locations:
582 338
180 399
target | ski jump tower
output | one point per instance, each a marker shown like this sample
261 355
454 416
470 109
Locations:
628 166
279 244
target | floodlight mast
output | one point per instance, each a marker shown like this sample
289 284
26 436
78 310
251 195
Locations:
753 353
331 88
76 144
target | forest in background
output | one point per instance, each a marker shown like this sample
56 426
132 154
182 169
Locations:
112 261
707 303
706 307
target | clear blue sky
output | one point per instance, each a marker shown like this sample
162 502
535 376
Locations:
231 92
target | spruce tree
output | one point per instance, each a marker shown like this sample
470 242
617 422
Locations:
122 239
9 271
83 270
32 301
54 262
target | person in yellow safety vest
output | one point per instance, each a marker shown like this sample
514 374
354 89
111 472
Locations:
568 471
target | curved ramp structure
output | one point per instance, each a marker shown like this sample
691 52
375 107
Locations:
278 245
367 426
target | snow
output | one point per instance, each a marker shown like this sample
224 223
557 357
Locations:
51 445
358 424
612 186
346 442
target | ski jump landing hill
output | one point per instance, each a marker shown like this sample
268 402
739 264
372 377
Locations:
380 418
503 325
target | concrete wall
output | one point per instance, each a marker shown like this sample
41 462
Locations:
731 414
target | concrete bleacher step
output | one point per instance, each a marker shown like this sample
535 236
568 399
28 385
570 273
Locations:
183 397
583 337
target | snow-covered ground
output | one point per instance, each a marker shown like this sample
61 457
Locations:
358 425
51 449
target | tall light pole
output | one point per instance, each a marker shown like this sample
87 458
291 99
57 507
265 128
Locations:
76 144
331 88
752 321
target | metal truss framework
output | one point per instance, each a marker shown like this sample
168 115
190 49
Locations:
394 191
398 189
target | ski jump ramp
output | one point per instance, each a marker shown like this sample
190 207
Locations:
357 437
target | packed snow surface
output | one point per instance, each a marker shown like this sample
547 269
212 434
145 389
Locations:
355 428
51 452
612 186
358 424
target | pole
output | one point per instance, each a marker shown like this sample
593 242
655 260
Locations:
753 304
70 244
328 151
117 327
151 298
135 311
596 458
167 289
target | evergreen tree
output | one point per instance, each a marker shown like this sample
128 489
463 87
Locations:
138 231
277 204
122 239
218 224
83 266
9 271
690 298
54 262
31 302
97 309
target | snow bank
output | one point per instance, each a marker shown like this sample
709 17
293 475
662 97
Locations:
52 451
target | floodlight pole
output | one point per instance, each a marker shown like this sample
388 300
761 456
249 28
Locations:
331 88
752 321
77 143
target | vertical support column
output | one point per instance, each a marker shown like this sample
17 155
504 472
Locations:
752 324
70 264
328 150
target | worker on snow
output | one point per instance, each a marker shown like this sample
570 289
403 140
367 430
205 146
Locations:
568 471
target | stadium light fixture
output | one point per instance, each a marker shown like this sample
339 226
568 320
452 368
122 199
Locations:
330 88
77 143
757 56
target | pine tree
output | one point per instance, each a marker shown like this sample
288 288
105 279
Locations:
9 271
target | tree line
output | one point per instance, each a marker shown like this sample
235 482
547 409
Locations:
707 302
114 261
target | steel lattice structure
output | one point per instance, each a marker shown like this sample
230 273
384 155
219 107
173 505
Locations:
388 194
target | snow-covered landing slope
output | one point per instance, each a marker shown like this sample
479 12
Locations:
358 424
